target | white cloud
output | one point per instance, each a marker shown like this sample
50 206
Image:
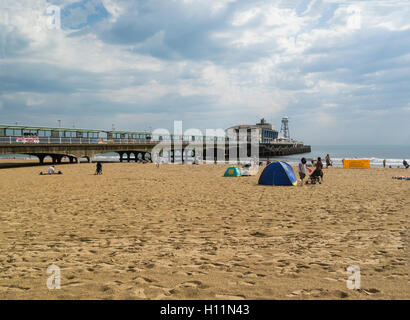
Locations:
115 8
243 17
325 120
33 101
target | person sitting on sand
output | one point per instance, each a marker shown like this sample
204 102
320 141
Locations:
98 169
51 170
405 164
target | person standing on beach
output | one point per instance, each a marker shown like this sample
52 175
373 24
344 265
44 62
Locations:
405 164
302 169
384 163
98 169
328 162
159 159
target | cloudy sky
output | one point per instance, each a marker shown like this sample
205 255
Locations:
339 69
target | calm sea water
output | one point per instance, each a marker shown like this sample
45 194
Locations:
394 154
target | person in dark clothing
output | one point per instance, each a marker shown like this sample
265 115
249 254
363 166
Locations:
328 162
405 164
98 169
318 170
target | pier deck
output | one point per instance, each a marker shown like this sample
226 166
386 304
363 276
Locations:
75 149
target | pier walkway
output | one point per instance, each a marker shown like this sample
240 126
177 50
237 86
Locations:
130 149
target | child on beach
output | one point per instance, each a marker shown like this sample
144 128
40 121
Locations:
158 161
302 169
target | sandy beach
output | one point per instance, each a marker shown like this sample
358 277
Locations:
186 232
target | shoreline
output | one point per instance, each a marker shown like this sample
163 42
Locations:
15 162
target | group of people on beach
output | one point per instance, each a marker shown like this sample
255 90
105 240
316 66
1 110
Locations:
405 164
317 174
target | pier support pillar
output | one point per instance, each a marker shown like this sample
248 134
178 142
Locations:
57 158
41 158
128 156
121 156
146 156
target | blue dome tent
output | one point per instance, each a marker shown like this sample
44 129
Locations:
278 174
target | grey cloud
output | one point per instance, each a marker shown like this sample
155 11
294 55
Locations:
12 42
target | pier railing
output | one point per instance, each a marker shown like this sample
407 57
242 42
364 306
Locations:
52 140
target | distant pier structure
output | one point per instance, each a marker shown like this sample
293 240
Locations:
74 143
272 142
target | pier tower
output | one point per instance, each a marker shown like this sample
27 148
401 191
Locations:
284 129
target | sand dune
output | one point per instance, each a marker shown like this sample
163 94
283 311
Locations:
186 232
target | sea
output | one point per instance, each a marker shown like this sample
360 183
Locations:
393 154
